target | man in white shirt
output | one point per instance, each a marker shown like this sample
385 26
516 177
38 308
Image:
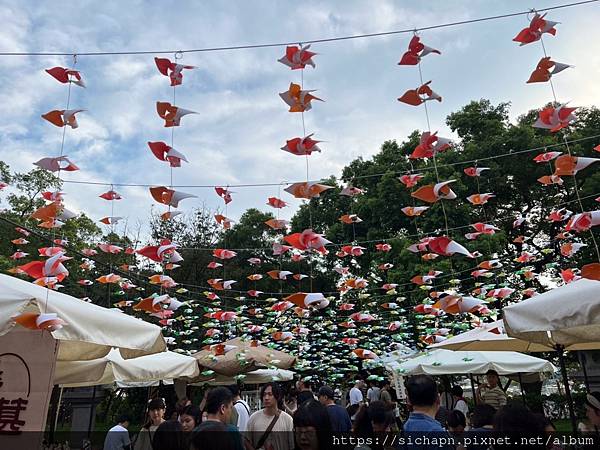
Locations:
270 428
242 408
373 392
117 437
356 396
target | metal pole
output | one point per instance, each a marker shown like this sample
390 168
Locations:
473 388
92 412
60 393
521 387
583 360
563 369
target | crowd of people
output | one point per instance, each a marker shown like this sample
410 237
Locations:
308 420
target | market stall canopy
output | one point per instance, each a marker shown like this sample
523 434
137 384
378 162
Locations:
239 356
447 362
260 376
114 369
90 331
567 316
489 337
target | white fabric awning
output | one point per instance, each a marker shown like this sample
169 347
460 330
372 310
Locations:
568 316
489 337
448 362
142 371
259 376
91 330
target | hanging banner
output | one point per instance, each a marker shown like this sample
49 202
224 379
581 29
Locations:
27 360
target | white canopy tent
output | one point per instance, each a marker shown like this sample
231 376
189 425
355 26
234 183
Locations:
568 316
91 331
447 362
137 372
260 376
489 337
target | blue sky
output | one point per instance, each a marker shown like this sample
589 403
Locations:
242 122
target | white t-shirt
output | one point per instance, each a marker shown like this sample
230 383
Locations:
373 394
243 411
355 396
260 421
462 406
117 438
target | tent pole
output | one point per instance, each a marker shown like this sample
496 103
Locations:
583 362
563 369
521 387
92 412
60 394
473 388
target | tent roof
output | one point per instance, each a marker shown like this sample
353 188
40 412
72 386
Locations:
259 376
114 369
244 358
91 330
489 337
446 362
568 316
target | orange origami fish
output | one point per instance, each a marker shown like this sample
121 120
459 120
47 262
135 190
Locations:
168 196
225 194
172 70
364 354
224 221
163 152
555 119
434 192
430 144
308 300
65 75
479 199
542 72
569 165
297 99
350 218
297 57
537 26
416 51
308 239
63 117
307 190
301 146
547 180
277 224
475 171
48 321
171 113
413 211
416 97
110 278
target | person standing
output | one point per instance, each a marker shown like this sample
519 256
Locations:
271 428
312 427
373 393
339 417
242 408
218 407
356 396
385 396
425 401
156 416
592 408
117 437
305 392
491 393
460 404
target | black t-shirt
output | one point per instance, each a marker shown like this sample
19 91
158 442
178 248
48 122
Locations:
304 396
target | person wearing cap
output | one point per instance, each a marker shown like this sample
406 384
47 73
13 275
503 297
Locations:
592 408
156 416
340 420
491 393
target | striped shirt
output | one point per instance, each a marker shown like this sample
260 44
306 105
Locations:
494 397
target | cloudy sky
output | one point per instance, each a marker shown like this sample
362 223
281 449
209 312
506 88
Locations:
242 122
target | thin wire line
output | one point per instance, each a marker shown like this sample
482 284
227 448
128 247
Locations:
295 42
288 183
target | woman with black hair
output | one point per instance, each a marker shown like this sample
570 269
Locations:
169 436
312 426
156 413
190 418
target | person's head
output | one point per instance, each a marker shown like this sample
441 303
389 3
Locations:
592 408
270 394
381 416
457 391
326 395
169 436
235 391
124 420
456 421
385 384
312 426
359 383
190 418
181 404
219 404
306 384
156 412
492 378
516 418
483 416
422 392
213 436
